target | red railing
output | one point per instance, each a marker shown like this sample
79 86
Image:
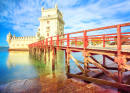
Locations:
85 38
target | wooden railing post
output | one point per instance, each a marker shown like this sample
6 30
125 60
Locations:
46 41
103 40
119 53
84 39
67 40
57 41
61 42
118 37
75 41
43 43
87 40
51 40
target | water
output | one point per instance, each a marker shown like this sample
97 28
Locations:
19 65
15 66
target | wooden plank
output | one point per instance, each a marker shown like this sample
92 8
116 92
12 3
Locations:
125 87
79 73
76 62
103 53
103 69
80 61
97 75
110 68
94 59
112 59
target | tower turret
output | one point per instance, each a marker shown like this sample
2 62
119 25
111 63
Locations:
38 34
56 6
9 37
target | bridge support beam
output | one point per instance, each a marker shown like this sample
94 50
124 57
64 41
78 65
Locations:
36 52
44 55
53 58
40 52
68 60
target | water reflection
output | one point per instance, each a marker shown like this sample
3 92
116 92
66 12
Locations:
17 60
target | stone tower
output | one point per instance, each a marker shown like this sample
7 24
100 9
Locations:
9 37
51 22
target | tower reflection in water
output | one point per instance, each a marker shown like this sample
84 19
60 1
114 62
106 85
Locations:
17 60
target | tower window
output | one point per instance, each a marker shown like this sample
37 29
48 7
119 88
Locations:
47 34
48 22
47 28
48 15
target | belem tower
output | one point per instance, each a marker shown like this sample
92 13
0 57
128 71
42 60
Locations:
51 24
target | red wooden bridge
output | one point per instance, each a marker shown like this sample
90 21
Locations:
118 53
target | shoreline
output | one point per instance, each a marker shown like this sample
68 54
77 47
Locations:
50 83
18 50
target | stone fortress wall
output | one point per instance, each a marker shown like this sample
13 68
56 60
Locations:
22 42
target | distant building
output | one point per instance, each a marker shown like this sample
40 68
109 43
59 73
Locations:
51 24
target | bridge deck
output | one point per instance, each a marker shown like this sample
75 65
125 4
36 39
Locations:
125 48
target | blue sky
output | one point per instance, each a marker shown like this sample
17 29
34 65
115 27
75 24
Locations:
20 17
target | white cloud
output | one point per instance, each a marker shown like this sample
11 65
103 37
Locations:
78 15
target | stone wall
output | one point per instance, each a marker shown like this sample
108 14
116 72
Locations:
21 42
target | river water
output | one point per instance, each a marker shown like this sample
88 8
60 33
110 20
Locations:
18 65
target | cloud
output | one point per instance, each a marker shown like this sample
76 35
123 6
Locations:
77 14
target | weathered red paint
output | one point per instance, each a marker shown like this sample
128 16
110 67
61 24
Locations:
67 39
84 39
57 42
75 41
103 40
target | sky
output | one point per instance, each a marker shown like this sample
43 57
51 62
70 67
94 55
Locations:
21 17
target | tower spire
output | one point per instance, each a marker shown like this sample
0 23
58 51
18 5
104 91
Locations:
56 6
